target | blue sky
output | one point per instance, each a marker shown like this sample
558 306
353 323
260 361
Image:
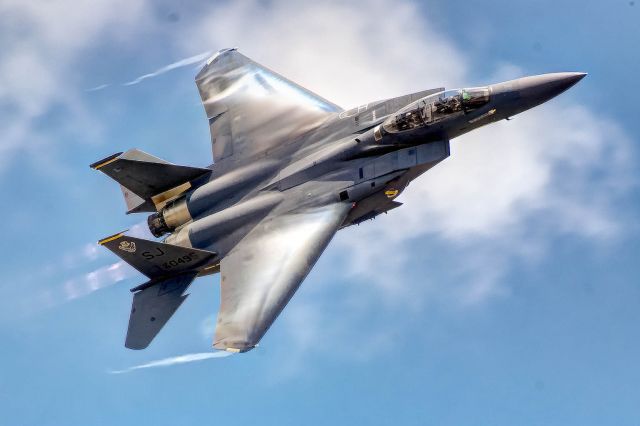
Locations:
505 291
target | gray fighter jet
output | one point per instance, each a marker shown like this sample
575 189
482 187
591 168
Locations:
290 169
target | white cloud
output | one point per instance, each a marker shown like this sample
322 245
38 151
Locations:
507 188
347 53
141 230
42 43
506 191
180 359
537 163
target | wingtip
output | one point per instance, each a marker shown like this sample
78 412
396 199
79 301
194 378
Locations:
111 237
212 58
101 163
135 345
219 53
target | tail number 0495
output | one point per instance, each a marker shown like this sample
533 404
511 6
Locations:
181 260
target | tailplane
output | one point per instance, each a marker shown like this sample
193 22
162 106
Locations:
155 259
147 182
170 270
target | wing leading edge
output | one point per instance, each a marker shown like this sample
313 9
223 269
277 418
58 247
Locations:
265 269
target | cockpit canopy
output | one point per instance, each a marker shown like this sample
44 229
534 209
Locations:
437 107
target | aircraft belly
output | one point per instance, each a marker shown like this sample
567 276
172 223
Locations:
374 175
383 179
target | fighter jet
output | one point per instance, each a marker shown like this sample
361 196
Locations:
290 169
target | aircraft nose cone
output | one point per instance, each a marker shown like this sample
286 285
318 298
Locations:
540 88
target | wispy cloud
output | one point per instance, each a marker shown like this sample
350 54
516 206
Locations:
176 360
38 68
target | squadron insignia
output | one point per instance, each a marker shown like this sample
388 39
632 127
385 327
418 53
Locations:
129 246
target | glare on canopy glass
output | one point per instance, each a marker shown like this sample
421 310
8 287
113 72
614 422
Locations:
437 107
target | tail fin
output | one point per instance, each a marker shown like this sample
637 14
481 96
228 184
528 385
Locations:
171 270
147 181
152 308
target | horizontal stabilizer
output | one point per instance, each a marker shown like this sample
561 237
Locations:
155 259
147 180
153 306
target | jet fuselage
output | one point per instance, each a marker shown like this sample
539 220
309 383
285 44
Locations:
375 155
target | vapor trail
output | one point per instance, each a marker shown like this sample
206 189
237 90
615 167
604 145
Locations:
97 279
100 87
104 276
180 359
181 63
178 64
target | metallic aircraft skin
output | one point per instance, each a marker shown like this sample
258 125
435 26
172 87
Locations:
290 170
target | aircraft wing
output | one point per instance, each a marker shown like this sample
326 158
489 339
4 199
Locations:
252 109
261 274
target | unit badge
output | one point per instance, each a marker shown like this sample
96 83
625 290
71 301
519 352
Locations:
129 246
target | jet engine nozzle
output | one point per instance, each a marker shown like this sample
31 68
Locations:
169 218
157 225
